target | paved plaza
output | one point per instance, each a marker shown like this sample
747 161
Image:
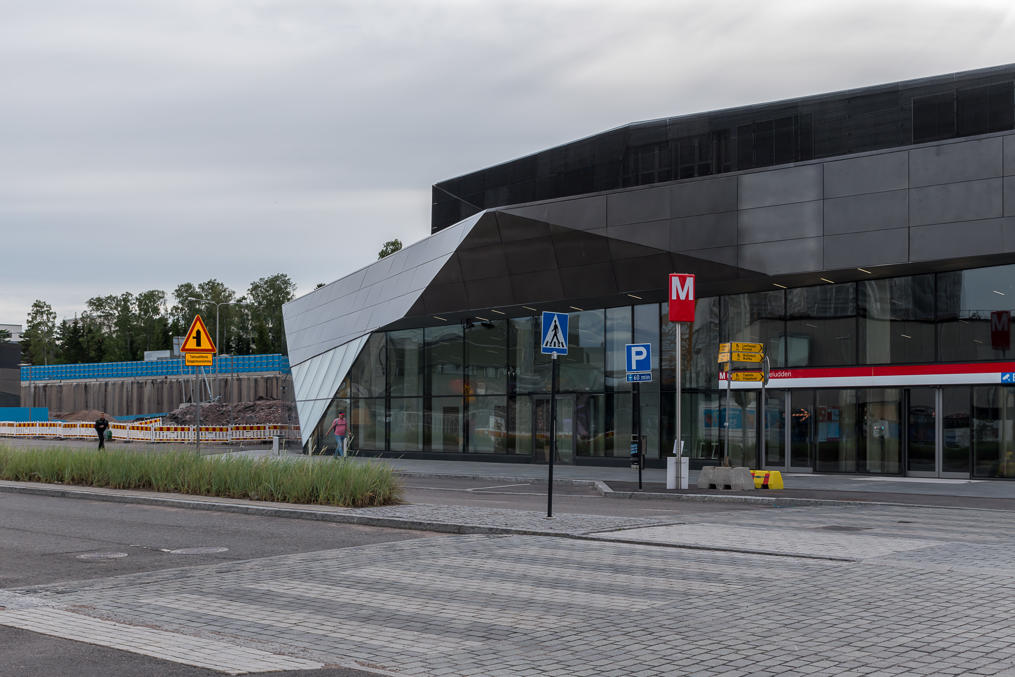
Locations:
841 590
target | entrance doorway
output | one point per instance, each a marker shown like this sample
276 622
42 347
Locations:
541 429
938 432
793 433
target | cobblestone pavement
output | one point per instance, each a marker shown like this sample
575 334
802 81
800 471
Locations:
924 592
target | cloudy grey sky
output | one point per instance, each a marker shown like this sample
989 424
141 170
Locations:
147 143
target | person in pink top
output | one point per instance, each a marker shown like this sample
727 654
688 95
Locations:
339 427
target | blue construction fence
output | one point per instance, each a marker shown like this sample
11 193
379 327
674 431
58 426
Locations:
235 364
24 414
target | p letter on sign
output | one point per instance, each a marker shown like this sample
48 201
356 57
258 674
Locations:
681 297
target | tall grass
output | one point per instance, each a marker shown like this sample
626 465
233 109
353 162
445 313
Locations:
338 482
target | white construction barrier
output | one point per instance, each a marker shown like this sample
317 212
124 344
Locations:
150 430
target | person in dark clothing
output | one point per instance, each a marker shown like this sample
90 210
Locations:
101 426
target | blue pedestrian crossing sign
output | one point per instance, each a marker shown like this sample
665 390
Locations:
639 362
554 334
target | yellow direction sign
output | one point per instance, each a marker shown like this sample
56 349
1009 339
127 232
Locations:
724 347
724 357
747 347
747 376
198 359
198 340
748 357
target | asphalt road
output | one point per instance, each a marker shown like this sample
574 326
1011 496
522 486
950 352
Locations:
54 540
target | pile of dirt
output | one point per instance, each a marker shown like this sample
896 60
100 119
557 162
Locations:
80 415
259 412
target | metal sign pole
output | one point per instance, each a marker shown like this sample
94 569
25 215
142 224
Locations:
679 451
729 412
553 433
764 412
636 415
197 431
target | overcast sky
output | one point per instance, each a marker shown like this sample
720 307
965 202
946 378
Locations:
144 144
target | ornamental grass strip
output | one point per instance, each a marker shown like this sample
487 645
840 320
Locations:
339 482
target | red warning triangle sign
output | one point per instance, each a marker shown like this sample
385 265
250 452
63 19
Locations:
198 339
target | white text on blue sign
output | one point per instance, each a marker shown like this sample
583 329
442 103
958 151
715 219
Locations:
639 356
639 378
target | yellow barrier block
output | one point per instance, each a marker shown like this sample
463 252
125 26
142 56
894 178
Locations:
767 479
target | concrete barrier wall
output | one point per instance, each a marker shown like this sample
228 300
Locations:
131 396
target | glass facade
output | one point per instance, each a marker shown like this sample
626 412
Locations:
483 387
644 153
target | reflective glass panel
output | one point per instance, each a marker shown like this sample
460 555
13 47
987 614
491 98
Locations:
486 345
367 425
530 369
880 413
444 355
993 431
775 429
406 424
618 335
619 425
444 429
582 369
757 318
974 313
405 362
921 430
897 320
821 326
520 425
698 350
955 420
488 425
835 430
367 374
700 423
801 428
590 425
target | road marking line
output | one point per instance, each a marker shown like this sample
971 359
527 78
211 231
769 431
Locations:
357 632
484 611
501 486
197 651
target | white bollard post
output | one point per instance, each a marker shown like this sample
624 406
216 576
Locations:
671 472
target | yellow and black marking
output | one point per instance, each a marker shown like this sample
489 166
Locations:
767 479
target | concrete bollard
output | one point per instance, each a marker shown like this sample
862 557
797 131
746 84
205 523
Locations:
706 478
741 479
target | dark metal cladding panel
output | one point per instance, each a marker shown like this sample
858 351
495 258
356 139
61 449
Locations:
865 174
869 211
872 248
945 203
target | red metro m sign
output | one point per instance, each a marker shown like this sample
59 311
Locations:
681 297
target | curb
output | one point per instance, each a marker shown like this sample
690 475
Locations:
604 490
308 513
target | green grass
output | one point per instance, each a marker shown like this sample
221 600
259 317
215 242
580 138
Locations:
334 482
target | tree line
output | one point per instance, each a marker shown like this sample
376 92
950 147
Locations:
120 328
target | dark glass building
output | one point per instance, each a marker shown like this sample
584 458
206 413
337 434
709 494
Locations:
866 238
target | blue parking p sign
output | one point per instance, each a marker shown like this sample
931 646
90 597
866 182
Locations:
639 361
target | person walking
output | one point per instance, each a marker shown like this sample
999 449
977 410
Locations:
101 426
340 428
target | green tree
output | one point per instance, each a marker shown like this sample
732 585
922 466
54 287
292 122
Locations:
5 335
266 298
152 322
390 247
70 337
38 342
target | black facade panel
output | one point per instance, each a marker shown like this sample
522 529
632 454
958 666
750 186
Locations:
874 118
